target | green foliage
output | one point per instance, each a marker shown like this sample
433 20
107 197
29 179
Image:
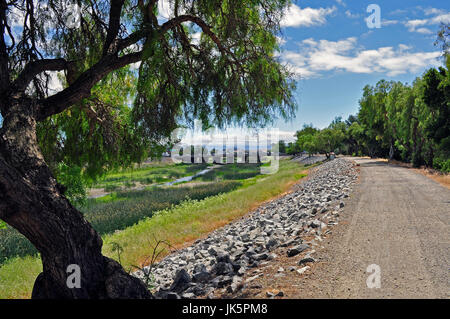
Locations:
328 140
442 164
98 133
72 179
232 74
305 139
231 172
282 148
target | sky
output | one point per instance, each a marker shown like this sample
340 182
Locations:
334 53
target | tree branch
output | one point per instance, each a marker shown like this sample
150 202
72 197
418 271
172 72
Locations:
131 39
81 87
34 68
114 25
198 21
4 70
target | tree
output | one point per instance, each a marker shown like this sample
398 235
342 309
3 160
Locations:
212 60
305 137
282 147
328 140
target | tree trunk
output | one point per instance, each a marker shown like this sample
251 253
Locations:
32 202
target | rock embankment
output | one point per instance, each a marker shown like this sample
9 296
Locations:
222 260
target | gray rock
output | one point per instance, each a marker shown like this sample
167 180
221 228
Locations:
181 281
297 250
271 244
262 256
201 277
222 268
306 260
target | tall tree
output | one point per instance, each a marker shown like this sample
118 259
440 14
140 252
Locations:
209 59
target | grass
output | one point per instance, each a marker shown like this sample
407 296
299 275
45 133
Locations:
147 175
17 277
231 172
179 225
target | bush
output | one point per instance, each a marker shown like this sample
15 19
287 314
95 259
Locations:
442 164
13 243
130 184
147 180
446 166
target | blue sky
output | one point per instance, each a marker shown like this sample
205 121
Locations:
335 54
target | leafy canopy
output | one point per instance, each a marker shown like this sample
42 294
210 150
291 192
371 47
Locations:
130 77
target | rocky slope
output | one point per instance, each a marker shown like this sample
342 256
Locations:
223 260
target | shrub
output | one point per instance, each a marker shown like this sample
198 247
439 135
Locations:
13 243
442 164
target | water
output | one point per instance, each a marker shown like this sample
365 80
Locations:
179 180
186 178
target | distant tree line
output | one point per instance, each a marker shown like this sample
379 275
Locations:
407 122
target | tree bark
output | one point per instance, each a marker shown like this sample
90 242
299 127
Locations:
32 202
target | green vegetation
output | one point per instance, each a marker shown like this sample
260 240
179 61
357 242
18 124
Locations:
130 207
118 211
147 175
405 122
178 225
231 172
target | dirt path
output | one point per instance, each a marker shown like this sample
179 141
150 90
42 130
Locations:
396 219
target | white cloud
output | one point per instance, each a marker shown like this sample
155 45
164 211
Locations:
438 16
386 22
317 57
398 11
295 16
341 2
434 11
351 15
424 31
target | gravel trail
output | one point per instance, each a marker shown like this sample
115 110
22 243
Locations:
396 219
